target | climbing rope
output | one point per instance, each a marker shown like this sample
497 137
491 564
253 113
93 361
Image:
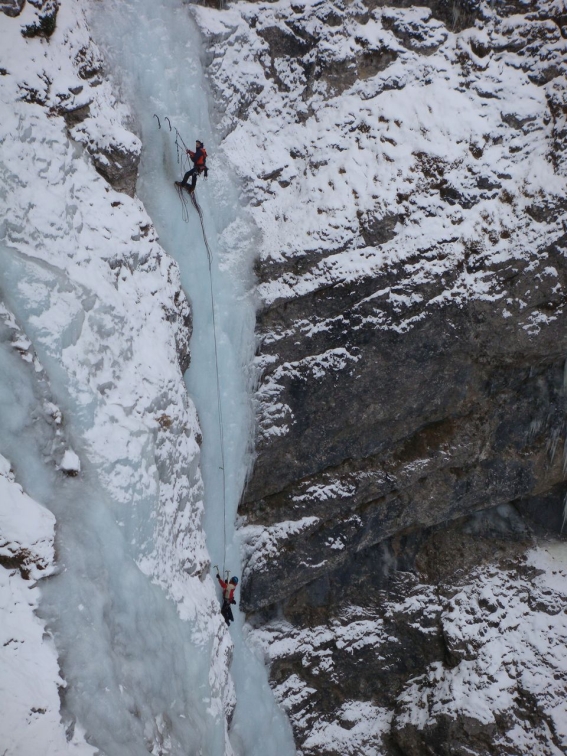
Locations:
184 204
219 401
182 160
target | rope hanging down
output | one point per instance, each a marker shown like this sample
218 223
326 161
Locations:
182 160
219 401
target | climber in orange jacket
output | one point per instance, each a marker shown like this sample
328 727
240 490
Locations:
199 158
227 597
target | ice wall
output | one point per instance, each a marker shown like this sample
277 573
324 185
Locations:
29 694
109 621
141 647
155 52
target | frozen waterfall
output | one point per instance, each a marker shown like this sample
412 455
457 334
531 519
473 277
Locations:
155 50
92 330
121 642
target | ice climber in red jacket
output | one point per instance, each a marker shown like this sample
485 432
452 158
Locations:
227 597
199 158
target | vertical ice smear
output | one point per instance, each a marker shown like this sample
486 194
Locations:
155 48
29 696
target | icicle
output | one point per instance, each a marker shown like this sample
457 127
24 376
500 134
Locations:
533 430
552 443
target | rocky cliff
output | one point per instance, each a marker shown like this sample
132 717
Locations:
406 165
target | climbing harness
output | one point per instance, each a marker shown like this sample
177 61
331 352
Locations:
182 160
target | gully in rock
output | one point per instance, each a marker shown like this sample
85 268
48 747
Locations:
216 272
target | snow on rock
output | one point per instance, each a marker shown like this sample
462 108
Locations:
355 727
499 636
26 528
358 729
505 635
331 164
261 545
70 464
30 681
374 140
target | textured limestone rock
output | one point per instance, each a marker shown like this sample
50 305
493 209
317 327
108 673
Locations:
453 661
12 7
119 167
412 343
420 428
405 388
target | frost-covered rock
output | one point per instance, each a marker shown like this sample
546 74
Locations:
468 666
406 167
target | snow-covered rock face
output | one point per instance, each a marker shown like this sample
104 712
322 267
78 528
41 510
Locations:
483 666
94 414
410 183
26 527
406 166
